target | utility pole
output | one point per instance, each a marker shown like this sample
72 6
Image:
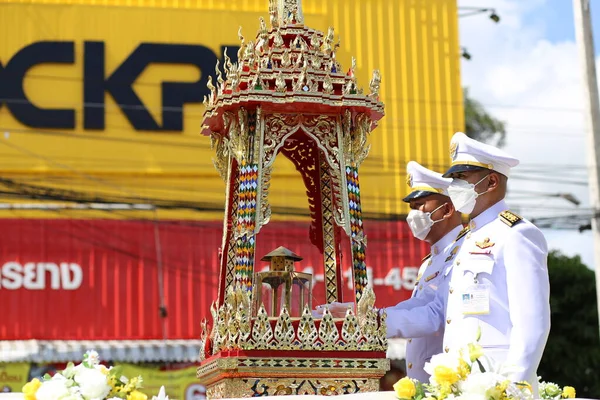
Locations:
585 42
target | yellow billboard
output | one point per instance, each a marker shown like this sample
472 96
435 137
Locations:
100 101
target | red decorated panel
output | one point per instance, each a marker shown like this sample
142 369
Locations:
99 279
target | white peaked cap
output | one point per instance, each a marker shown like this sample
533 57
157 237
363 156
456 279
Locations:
468 154
424 182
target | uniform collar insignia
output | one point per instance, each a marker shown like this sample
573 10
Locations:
430 277
452 254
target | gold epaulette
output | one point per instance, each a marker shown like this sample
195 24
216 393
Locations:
426 257
510 218
462 233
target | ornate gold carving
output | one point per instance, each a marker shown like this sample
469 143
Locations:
356 148
383 329
315 42
204 338
258 387
280 85
278 40
212 96
262 333
286 61
221 327
238 138
284 331
365 304
273 13
375 83
327 43
350 331
328 85
328 333
329 255
220 81
307 330
265 206
221 159
289 11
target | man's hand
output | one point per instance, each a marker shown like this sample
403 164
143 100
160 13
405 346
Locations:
337 310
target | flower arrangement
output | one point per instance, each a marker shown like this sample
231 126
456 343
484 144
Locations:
551 391
88 380
462 375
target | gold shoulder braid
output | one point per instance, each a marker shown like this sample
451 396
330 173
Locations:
510 218
462 233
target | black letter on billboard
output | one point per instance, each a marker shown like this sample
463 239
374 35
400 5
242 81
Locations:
12 85
119 84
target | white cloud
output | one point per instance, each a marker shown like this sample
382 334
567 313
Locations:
533 85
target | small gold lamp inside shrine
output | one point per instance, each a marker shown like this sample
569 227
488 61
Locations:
281 285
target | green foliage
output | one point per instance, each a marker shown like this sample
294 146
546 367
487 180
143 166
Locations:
480 125
572 354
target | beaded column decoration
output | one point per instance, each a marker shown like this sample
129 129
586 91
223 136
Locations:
357 236
247 203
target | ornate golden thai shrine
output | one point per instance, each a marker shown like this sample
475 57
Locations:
287 94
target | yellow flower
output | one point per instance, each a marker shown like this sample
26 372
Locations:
137 395
525 385
446 375
475 351
568 392
463 369
405 388
31 388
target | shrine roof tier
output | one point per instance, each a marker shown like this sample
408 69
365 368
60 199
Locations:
289 69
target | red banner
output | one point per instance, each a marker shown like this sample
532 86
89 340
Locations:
102 279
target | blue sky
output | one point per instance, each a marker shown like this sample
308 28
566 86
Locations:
556 19
526 71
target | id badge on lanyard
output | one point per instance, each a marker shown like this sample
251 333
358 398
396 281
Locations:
476 298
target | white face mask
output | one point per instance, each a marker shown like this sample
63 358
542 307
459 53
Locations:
420 222
463 194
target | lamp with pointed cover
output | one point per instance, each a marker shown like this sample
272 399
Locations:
281 286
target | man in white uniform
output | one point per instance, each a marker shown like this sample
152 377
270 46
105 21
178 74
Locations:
433 219
499 284
421 318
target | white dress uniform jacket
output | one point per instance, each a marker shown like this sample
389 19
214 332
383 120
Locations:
416 318
508 256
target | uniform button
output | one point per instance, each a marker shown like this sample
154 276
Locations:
469 235
409 340
446 349
457 262
420 287
409 365
451 290
448 321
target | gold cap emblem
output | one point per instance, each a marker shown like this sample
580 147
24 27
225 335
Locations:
409 180
453 150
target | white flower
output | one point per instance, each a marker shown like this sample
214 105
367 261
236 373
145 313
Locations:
449 360
513 391
479 383
54 389
161 395
92 358
93 383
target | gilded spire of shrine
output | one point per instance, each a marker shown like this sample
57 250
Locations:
286 12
